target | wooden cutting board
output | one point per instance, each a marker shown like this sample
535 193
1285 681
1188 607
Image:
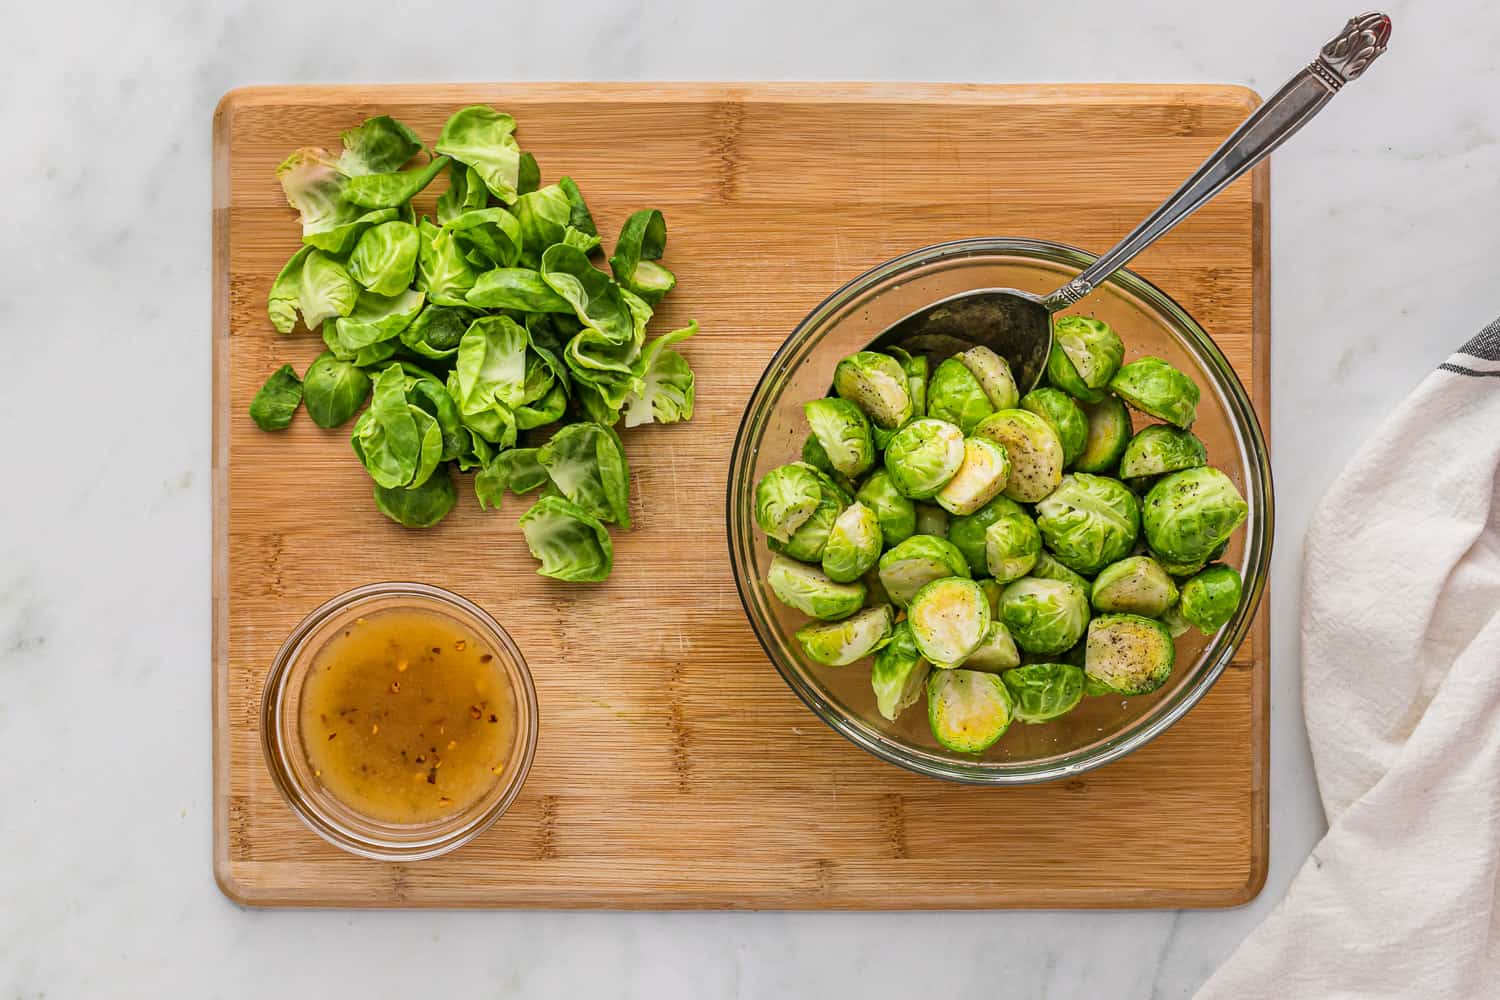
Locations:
675 768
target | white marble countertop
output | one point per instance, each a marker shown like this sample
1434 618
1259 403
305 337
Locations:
1384 247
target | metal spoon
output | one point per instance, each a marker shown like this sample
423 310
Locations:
1017 325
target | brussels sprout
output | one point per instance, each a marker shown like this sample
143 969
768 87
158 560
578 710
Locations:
1086 353
932 520
1189 514
1089 521
967 710
992 589
1048 568
810 591
1044 616
967 532
853 544
1159 390
923 456
1011 546
1211 598
838 644
1160 449
844 433
1180 570
1108 437
807 541
916 562
1044 691
998 650
899 673
993 373
1036 454
916 368
897 515
1128 654
949 619
785 498
1137 585
979 479
1175 624
877 384
1065 416
955 395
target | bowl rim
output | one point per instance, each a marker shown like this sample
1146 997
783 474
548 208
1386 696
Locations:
1258 542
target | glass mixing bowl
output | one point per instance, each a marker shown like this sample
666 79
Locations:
771 433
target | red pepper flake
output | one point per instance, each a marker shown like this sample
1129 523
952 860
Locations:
487 657
494 718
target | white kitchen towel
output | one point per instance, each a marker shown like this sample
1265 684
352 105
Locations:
1401 686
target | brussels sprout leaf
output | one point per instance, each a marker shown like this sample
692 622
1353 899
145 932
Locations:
571 544
277 400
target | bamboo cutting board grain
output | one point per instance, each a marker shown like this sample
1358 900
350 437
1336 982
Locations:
675 769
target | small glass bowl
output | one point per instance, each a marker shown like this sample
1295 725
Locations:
771 433
286 756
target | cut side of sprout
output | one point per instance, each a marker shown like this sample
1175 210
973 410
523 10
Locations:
980 478
838 644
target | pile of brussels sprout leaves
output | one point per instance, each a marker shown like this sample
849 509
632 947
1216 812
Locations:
1006 554
485 339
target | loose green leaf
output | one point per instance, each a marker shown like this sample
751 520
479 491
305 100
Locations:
579 216
398 443
385 258
547 410
571 544
277 400
419 506
395 189
596 300
488 237
491 364
437 330
516 288
339 240
466 192
543 214
443 272
587 462
378 145
485 139
666 393
376 318
489 485
314 186
522 469
580 240
643 239
327 291
529 175
285 299
333 390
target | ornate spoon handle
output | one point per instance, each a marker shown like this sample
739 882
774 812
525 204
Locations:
1343 59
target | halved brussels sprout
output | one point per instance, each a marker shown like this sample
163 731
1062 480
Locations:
994 374
955 395
932 520
877 384
996 653
1044 616
1086 353
1048 568
979 479
1011 546
1175 624
899 673
967 710
1044 691
967 532
916 562
1211 598
1137 585
1128 654
896 513
807 541
853 545
1066 417
1089 521
1036 454
810 591
923 456
785 498
1189 514
949 619
1160 449
814 455
1109 435
841 428
1157 389
838 644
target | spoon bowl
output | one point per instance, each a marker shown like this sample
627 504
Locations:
1014 324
